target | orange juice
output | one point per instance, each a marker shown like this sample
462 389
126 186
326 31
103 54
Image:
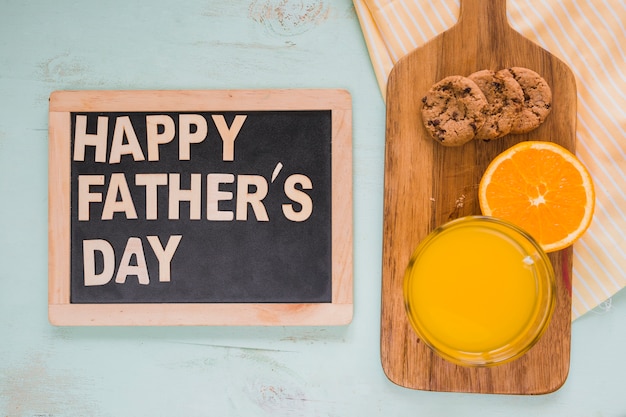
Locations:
479 291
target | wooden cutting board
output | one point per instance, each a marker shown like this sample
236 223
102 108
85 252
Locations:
427 185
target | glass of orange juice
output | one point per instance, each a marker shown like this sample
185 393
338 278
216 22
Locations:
479 291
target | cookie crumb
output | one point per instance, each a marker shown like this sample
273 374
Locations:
460 202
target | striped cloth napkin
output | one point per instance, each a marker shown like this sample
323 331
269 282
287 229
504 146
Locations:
588 35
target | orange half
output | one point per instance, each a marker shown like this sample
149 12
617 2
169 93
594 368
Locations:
542 188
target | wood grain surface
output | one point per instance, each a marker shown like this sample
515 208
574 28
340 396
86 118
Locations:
427 184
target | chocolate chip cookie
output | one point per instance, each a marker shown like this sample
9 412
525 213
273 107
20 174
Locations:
453 110
504 101
537 99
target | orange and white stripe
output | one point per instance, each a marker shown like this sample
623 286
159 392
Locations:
588 35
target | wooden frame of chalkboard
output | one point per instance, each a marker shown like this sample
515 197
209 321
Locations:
219 207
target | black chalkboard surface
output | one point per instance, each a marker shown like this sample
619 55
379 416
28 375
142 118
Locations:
200 207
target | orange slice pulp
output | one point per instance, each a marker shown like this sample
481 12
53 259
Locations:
542 188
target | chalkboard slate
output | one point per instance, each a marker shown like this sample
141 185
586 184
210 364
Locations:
200 207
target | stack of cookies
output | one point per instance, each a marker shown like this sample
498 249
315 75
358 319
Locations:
485 105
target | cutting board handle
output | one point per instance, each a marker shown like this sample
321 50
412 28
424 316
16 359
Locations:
483 13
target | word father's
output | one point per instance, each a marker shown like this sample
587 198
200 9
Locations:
162 195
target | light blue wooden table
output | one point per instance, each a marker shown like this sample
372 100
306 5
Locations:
213 371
